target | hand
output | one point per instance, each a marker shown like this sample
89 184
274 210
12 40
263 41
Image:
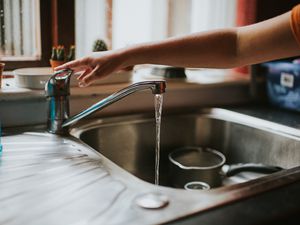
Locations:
95 66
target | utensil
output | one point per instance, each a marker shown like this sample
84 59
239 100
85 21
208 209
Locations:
196 164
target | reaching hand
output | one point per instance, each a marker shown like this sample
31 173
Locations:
220 48
95 66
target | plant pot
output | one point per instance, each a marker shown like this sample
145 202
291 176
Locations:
56 63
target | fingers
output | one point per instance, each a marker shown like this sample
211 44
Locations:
96 73
76 65
100 71
128 68
87 78
86 72
92 67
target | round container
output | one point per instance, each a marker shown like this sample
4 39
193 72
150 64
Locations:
36 77
190 164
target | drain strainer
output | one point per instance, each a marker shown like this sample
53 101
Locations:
152 201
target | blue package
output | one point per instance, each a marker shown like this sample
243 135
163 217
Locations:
283 84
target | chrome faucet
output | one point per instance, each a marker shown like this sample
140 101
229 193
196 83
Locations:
58 90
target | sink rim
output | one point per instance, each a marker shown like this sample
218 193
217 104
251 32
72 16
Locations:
228 194
215 113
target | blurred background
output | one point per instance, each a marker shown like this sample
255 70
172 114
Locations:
30 28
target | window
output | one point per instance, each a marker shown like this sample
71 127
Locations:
135 21
90 24
20 30
212 14
25 33
29 28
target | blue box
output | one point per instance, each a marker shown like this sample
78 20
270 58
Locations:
283 84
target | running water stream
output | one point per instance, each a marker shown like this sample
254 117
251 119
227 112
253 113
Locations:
158 110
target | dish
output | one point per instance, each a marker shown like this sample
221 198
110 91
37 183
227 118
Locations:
36 77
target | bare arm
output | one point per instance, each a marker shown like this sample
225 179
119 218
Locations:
268 40
222 48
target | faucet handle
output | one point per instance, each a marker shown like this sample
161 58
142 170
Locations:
59 83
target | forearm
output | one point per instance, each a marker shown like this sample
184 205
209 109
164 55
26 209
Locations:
222 48
267 40
215 49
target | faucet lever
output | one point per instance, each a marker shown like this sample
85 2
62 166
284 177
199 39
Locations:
59 83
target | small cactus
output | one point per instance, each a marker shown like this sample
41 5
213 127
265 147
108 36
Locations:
71 55
54 53
59 54
99 45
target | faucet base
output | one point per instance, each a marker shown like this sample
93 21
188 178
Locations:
55 127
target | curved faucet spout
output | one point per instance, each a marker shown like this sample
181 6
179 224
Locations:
157 87
58 90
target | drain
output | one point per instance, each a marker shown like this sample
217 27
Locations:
196 185
152 201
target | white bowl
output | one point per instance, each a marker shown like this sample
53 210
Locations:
36 77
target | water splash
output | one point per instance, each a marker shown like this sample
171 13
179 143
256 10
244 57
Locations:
158 100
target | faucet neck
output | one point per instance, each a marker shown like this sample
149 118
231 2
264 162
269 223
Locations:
57 92
157 87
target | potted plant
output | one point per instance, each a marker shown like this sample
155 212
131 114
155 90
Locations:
58 55
99 45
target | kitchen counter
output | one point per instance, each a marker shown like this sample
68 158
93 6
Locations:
48 179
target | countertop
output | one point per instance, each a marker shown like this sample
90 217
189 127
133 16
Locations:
48 179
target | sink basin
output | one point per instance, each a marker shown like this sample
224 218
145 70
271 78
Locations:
129 141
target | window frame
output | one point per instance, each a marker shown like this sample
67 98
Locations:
58 26
57 21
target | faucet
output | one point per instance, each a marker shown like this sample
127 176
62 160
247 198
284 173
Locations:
58 91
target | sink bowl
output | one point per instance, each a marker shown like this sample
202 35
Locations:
129 141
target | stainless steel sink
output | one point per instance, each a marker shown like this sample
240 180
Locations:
129 141
45 177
